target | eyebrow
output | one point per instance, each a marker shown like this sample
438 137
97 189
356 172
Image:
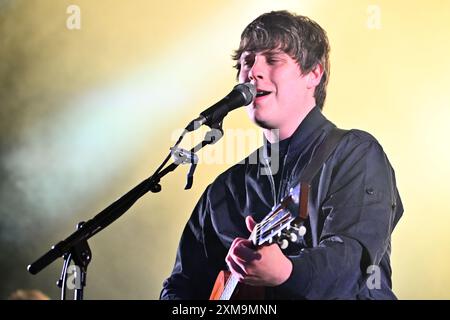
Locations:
272 54
267 54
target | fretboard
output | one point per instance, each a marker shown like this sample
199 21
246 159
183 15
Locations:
229 288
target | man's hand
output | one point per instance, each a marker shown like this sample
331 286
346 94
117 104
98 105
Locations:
265 266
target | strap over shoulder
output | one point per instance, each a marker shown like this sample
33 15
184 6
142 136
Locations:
321 155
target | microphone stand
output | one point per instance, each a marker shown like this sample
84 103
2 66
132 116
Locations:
75 246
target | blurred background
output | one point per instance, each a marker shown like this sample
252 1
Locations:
93 93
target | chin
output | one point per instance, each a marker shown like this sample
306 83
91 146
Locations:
264 123
261 116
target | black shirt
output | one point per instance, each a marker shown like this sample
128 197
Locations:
354 206
279 149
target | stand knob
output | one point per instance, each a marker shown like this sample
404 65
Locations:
155 188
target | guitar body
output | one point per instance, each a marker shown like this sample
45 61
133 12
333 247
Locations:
241 292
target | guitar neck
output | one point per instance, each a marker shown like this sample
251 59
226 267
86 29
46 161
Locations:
229 288
232 281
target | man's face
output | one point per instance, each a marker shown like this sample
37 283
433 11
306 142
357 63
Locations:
281 87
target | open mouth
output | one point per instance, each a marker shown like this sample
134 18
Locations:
262 93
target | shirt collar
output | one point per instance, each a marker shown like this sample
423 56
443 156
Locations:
309 129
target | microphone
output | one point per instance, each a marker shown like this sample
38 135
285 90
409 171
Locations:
241 95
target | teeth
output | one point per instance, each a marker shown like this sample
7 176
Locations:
262 93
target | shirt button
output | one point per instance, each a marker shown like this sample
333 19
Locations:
370 191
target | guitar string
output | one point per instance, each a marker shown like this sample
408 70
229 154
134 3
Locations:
272 216
267 221
280 222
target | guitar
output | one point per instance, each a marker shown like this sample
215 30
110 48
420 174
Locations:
282 225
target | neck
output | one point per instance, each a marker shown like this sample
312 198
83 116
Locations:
287 129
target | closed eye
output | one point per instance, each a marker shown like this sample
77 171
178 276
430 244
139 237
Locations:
272 61
248 61
273 57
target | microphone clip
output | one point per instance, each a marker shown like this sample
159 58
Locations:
215 134
183 156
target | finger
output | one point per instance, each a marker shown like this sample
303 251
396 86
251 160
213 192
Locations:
235 268
244 253
240 262
232 251
252 280
250 223
235 241
245 243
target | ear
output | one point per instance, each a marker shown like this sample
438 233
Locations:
314 76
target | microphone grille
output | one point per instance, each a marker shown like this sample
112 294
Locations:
248 90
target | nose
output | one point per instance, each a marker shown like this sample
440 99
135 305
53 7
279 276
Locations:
257 70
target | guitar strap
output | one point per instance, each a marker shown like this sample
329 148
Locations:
320 156
323 152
